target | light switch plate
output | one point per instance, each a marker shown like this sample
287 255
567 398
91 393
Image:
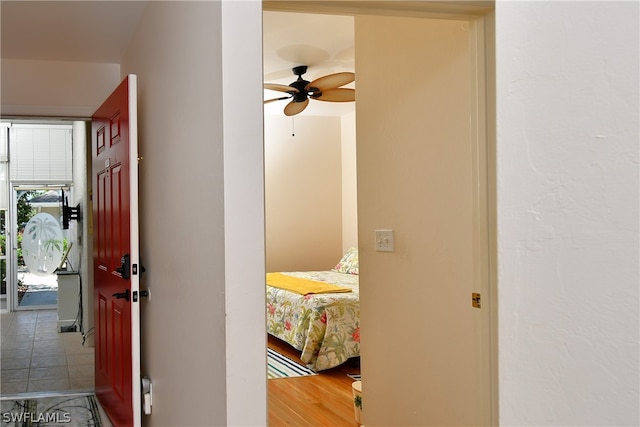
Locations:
384 240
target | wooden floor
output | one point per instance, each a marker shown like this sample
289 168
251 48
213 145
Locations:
325 399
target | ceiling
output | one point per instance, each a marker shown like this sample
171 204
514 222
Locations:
68 31
325 43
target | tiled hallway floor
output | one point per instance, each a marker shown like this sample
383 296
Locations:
35 357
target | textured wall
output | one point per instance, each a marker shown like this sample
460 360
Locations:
567 97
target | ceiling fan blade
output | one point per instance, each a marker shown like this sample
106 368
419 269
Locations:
276 99
338 95
294 108
280 88
332 81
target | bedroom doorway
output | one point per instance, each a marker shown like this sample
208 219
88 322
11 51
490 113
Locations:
310 164
411 254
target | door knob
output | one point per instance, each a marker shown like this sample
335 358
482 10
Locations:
120 295
125 266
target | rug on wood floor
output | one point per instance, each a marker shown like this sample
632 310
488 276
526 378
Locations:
52 409
279 366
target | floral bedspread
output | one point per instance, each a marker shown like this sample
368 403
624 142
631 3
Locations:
325 327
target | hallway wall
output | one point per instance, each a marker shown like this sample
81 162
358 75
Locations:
181 210
568 198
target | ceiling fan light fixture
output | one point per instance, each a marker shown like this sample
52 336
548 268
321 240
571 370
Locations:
326 88
299 70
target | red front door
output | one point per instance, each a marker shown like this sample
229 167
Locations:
115 255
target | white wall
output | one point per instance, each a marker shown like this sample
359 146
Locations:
176 53
349 183
201 186
245 310
567 99
303 192
310 190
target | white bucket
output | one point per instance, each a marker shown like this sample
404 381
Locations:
357 400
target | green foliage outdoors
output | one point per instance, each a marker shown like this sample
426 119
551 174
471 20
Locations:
25 210
3 246
24 213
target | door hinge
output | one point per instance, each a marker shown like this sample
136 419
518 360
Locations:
475 300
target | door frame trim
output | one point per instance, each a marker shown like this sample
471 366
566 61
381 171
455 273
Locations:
134 247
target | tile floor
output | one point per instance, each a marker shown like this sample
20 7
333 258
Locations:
35 357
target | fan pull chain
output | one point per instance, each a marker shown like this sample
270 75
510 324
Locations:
293 127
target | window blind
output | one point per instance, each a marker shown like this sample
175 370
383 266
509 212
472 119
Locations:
41 153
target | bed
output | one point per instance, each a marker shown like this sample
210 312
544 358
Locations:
323 321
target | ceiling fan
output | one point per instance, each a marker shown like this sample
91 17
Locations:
326 88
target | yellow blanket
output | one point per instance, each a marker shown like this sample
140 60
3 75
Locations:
302 286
